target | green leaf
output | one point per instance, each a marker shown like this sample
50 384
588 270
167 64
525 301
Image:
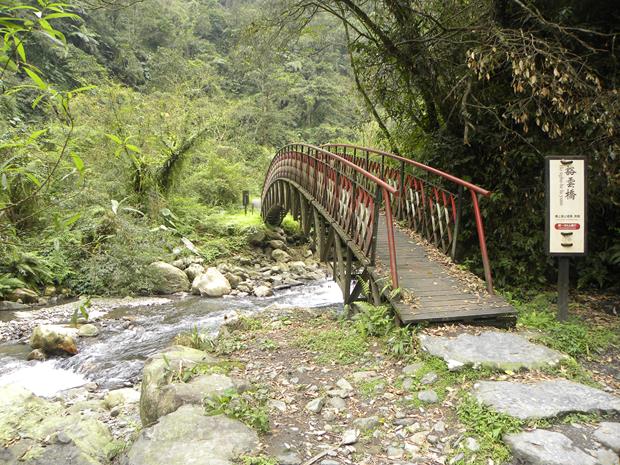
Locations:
33 178
133 148
78 162
61 15
36 78
4 181
115 139
20 48
72 219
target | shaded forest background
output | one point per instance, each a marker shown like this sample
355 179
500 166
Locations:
191 98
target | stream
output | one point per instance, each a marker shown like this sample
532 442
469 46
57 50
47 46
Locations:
128 335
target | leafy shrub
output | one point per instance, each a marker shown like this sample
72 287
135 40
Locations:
249 408
8 284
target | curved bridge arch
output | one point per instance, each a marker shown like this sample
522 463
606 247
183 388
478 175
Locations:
337 203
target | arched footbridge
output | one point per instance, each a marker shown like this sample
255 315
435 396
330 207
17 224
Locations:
386 225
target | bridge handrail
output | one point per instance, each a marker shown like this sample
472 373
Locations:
472 188
417 164
382 187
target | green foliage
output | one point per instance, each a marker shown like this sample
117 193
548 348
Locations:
249 408
257 460
576 337
194 339
8 284
342 345
81 309
489 427
29 268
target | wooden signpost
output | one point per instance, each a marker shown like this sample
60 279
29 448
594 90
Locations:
566 218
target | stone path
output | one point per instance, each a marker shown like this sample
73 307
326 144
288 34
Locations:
546 399
491 349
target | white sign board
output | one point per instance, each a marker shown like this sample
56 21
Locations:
566 205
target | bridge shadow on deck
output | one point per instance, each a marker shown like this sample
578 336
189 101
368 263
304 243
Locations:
439 296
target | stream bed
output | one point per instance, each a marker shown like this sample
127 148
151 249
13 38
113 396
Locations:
129 334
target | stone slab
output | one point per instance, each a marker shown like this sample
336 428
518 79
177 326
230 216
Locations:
494 349
544 399
608 434
542 447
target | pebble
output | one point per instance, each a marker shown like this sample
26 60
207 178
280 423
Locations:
472 444
429 378
428 396
395 452
315 405
412 369
338 403
344 384
350 437
367 423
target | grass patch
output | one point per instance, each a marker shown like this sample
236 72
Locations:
368 389
186 374
488 427
340 345
249 408
575 337
256 460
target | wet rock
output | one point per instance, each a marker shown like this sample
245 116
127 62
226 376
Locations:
233 279
263 291
167 279
120 397
428 396
495 349
53 339
12 306
41 432
212 283
187 436
315 405
542 447
88 330
280 255
156 398
37 354
23 295
195 269
608 434
544 399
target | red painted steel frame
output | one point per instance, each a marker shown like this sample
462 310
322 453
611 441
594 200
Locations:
313 157
473 189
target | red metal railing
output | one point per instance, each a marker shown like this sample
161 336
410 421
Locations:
429 208
350 195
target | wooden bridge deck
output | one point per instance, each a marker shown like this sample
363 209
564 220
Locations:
439 296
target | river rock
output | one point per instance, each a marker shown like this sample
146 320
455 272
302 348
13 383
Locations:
276 244
12 306
53 339
195 269
608 434
542 447
257 239
157 397
120 397
187 436
280 255
37 354
23 295
167 279
297 267
263 291
233 279
544 399
88 330
41 432
212 283
494 349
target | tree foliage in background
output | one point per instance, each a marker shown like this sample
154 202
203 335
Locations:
124 124
485 89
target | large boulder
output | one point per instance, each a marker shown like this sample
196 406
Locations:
212 283
161 394
40 432
188 436
167 279
54 339
257 238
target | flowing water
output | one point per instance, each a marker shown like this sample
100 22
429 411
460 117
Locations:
115 358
